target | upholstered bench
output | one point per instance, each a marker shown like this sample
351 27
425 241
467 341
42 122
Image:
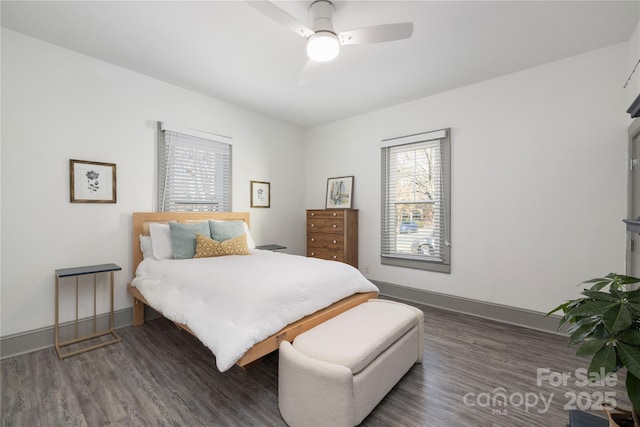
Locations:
337 372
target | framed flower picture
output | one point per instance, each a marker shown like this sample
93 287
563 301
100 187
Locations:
260 194
92 182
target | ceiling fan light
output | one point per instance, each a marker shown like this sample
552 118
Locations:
323 46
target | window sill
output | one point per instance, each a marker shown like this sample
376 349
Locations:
438 267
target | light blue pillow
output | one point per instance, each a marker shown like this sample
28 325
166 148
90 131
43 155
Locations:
225 230
183 238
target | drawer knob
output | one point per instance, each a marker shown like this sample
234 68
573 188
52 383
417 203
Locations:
313 253
312 214
334 214
312 225
334 257
334 225
313 240
335 241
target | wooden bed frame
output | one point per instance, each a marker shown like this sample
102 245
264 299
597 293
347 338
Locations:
141 221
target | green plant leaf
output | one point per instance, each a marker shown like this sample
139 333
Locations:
633 390
634 296
619 364
567 305
591 347
624 280
589 321
600 332
597 279
617 319
581 333
563 321
562 307
575 302
634 307
600 296
630 336
615 285
630 280
591 308
604 358
630 356
618 293
599 284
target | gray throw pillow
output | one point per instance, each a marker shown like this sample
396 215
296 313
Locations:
225 230
183 238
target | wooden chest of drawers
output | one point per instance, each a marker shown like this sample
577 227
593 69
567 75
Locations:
333 234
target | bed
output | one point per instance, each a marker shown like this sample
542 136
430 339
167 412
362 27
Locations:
167 296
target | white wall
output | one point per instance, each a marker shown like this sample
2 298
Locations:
538 184
59 105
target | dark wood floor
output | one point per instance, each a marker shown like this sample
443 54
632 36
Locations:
161 376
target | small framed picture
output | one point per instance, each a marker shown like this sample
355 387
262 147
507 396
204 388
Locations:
92 182
339 192
260 194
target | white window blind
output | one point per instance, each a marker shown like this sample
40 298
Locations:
194 170
416 201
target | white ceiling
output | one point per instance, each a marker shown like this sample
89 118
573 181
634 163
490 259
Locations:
228 50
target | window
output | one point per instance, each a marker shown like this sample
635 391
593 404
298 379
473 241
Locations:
416 201
194 170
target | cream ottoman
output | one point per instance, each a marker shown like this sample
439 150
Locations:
336 373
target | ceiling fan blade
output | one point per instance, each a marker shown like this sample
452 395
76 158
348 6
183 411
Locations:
280 16
377 33
308 71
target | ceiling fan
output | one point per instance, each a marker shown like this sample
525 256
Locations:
323 42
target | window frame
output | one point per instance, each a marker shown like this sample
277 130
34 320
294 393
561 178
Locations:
205 146
443 264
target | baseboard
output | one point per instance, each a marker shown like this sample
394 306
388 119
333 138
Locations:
26 342
502 313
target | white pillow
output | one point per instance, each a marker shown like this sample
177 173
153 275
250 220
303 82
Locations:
146 247
250 243
161 241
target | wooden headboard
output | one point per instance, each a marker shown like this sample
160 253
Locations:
141 221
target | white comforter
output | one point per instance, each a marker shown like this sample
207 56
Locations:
233 302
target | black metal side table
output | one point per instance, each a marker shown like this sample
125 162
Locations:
271 247
76 272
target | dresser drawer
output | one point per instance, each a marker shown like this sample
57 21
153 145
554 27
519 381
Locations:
325 214
327 241
325 254
325 225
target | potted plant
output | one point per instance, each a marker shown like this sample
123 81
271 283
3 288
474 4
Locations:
605 323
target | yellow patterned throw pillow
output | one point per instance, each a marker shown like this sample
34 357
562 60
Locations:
236 246
206 247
